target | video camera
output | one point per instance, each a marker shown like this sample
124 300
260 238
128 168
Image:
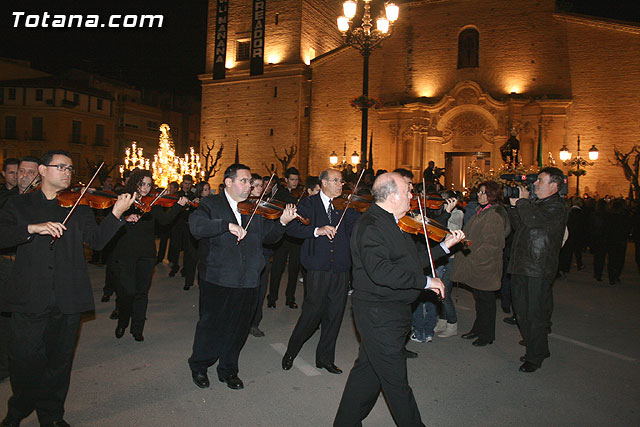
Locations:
512 191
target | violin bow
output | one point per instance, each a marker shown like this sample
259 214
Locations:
426 239
75 205
31 184
349 200
258 204
154 200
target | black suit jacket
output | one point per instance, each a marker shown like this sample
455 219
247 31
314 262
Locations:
223 260
386 263
320 253
41 275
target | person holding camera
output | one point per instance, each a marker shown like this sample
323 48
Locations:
539 228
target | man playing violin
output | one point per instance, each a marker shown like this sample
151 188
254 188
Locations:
231 261
325 254
388 276
48 288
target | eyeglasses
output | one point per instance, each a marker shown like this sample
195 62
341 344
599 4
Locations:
62 168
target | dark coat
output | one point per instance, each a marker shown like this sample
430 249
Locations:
481 265
386 264
41 274
539 228
224 261
320 253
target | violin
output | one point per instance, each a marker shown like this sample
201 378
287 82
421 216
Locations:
166 200
269 209
298 193
96 199
435 231
359 203
432 201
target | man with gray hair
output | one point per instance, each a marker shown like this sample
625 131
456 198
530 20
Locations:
388 275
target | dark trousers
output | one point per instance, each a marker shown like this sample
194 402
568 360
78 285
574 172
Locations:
5 336
485 323
533 304
164 231
324 305
571 248
109 280
223 327
178 232
262 291
286 249
40 358
5 327
381 364
614 255
190 259
134 280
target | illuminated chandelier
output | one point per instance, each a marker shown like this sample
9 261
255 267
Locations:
133 159
167 167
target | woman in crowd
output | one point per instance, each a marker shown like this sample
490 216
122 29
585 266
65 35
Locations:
135 254
480 267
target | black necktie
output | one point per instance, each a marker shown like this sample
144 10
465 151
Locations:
330 211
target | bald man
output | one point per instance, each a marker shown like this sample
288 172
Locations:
388 275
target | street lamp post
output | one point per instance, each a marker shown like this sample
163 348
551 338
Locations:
365 39
578 163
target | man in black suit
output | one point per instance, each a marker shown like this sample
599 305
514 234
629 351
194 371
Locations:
388 276
287 251
48 289
325 255
231 261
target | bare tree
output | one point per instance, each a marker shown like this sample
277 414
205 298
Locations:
270 169
288 156
630 163
104 172
211 162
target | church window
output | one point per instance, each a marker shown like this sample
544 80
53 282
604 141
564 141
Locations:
242 50
468 47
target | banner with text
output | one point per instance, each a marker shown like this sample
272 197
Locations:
220 52
257 38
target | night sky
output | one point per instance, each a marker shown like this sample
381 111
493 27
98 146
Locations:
169 57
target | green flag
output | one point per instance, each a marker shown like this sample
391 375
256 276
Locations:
540 165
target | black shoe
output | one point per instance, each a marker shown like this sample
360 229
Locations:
105 298
200 378
598 278
331 368
256 332
114 314
271 304
528 367
511 320
10 422
186 287
469 336
581 267
182 273
233 382
120 332
174 269
410 354
292 305
61 423
523 359
138 337
287 361
481 342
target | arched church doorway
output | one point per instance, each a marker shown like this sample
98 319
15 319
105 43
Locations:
459 166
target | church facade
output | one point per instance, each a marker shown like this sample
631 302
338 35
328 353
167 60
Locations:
455 79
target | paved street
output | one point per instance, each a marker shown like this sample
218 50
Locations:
591 379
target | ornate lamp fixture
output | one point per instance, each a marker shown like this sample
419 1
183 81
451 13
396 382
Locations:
578 164
133 158
365 38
